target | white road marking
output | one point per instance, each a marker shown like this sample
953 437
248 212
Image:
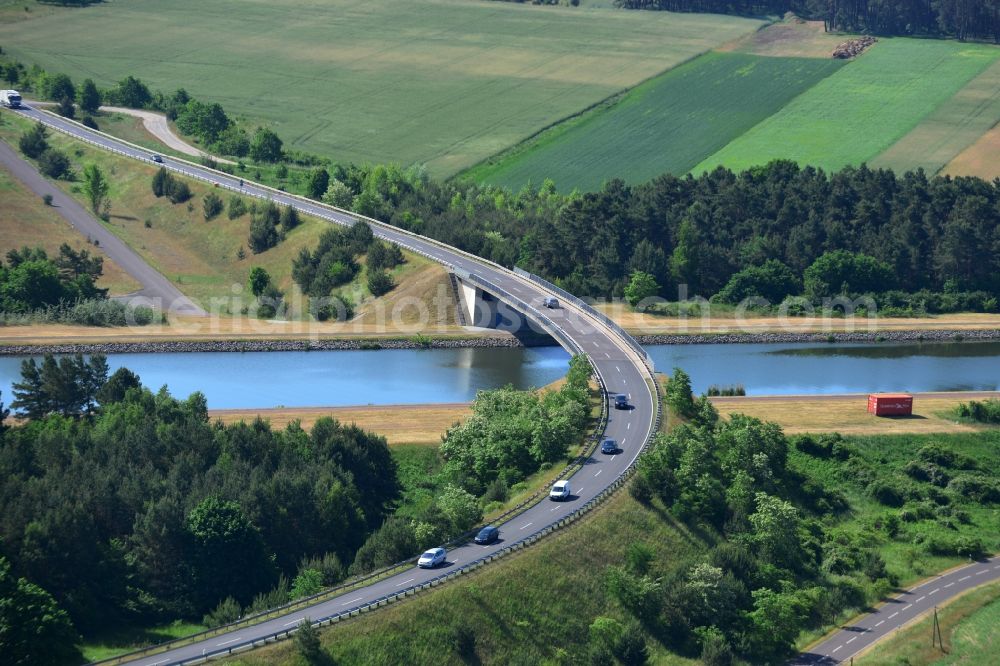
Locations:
920 599
578 491
296 621
980 573
628 426
936 589
851 640
405 582
553 509
607 354
614 456
162 661
893 615
880 623
907 607
964 578
835 649
618 368
949 584
525 525
231 640
352 601
598 473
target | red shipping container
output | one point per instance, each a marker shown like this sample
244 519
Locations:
890 404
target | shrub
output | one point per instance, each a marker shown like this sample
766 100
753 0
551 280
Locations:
47 199
885 494
237 207
227 611
380 283
212 205
177 191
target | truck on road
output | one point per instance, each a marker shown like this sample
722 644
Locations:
10 99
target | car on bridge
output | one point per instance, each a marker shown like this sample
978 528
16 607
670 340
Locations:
432 558
550 302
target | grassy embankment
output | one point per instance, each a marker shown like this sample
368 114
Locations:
536 606
202 258
855 114
968 627
444 84
725 319
28 221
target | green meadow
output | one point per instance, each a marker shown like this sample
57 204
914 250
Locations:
445 83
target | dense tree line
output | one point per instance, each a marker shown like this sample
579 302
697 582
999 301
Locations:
144 510
964 19
915 242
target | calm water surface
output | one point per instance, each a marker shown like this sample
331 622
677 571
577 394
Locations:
300 379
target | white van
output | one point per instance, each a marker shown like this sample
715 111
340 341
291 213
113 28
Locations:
560 491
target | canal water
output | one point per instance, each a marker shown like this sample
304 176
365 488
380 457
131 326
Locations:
301 379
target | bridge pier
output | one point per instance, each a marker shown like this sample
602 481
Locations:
481 308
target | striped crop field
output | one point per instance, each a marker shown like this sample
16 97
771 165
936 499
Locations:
670 123
863 109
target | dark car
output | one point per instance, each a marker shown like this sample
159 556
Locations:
550 303
609 446
621 401
487 535
156 158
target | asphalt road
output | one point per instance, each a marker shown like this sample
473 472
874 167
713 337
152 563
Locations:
899 610
156 289
622 370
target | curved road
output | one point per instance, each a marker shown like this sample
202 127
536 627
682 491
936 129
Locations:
901 609
621 368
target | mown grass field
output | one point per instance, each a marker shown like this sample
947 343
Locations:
968 625
951 128
979 159
668 124
864 108
441 82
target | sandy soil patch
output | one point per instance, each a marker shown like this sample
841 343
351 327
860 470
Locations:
847 414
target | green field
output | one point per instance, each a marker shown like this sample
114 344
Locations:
864 108
951 128
442 82
670 123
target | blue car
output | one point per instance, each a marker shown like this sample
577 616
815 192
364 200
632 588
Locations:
487 535
609 446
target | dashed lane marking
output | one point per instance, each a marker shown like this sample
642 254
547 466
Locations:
598 473
920 599
618 368
526 525
980 573
851 640
949 584
964 578
907 607
881 622
936 589
893 615
352 601
295 621
405 582
231 640
835 649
